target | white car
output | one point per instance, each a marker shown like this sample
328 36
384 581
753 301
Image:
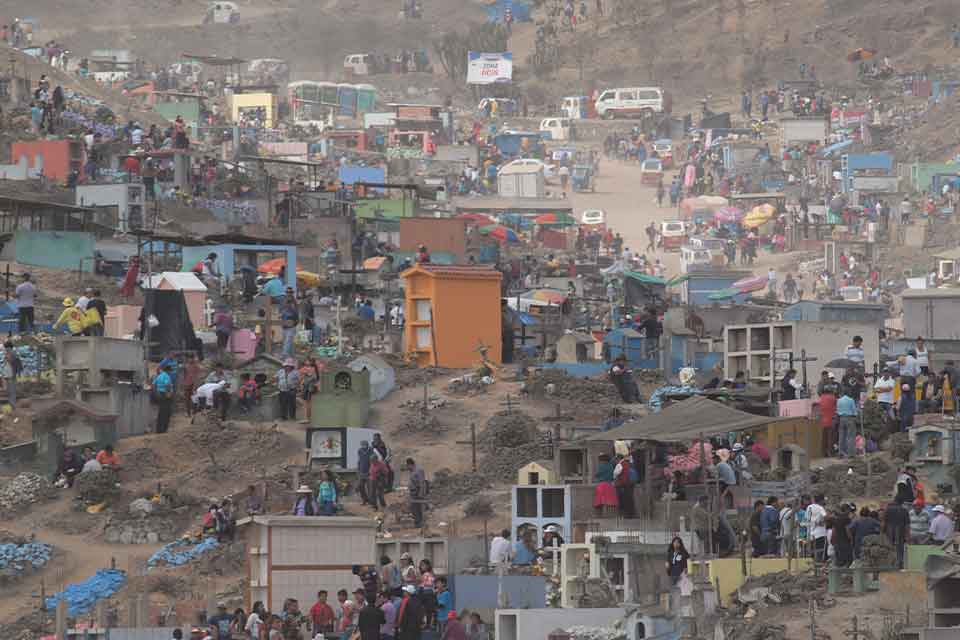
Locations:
593 217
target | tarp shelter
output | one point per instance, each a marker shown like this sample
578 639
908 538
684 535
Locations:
174 331
383 379
686 420
641 290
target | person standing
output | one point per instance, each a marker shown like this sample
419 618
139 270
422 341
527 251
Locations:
418 494
770 527
941 527
677 557
321 614
288 379
919 523
909 370
409 615
96 302
816 518
896 526
289 319
923 356
842 537
10 367
847 412
388 629
163 396
370 620
26 295
623 483
501 548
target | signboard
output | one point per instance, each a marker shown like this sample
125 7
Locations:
489 68
881 184
414 112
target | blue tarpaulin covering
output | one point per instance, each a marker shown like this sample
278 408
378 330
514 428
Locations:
827 151
82 596
181 552
496 11
17 556
350 174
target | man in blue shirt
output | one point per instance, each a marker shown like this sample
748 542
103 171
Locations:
770 527
847 423
366 312
274 289
163 396
524 550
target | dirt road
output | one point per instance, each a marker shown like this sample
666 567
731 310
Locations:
630 207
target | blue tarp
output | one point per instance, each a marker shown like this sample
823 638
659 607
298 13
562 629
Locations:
520 11
18 556
83 596
181 552
349 174
827 151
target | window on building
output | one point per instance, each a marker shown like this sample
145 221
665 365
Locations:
552 503
527 503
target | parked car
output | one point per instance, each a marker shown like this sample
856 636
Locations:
594 218
632 102
651 171
673 234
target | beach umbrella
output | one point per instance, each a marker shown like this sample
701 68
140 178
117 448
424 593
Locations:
272 266
728 214
555 218
500 232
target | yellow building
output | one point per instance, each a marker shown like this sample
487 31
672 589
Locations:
249 104
537 472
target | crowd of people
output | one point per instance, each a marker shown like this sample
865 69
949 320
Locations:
397 600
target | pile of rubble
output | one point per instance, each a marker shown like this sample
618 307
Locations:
419 422
841 482
900 446
94 487
783 587
24 490
613 632
508 429
555 384
509 441
752 630
447 487
142 524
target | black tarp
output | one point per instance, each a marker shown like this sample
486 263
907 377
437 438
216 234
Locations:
175 331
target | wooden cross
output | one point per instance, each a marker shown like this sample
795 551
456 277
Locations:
508 402
473 446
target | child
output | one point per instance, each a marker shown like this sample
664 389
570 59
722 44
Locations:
444 603
248 393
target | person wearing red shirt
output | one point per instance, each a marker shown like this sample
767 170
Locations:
378 481
321 614
132 166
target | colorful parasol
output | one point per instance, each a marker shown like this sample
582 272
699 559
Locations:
500 232
728 214
724 294
272 266
558 219
476 218
751 283
759 215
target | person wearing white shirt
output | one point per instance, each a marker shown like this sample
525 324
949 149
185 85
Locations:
207 391
923 356
816 523
84 299
884 390
501 549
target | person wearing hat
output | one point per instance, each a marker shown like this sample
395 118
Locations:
551 538
941 527
408 571
221 622
409 615
288 380
26 294
306 504
71 317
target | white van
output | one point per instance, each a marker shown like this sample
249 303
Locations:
357 64
575 107
558 128
632 102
